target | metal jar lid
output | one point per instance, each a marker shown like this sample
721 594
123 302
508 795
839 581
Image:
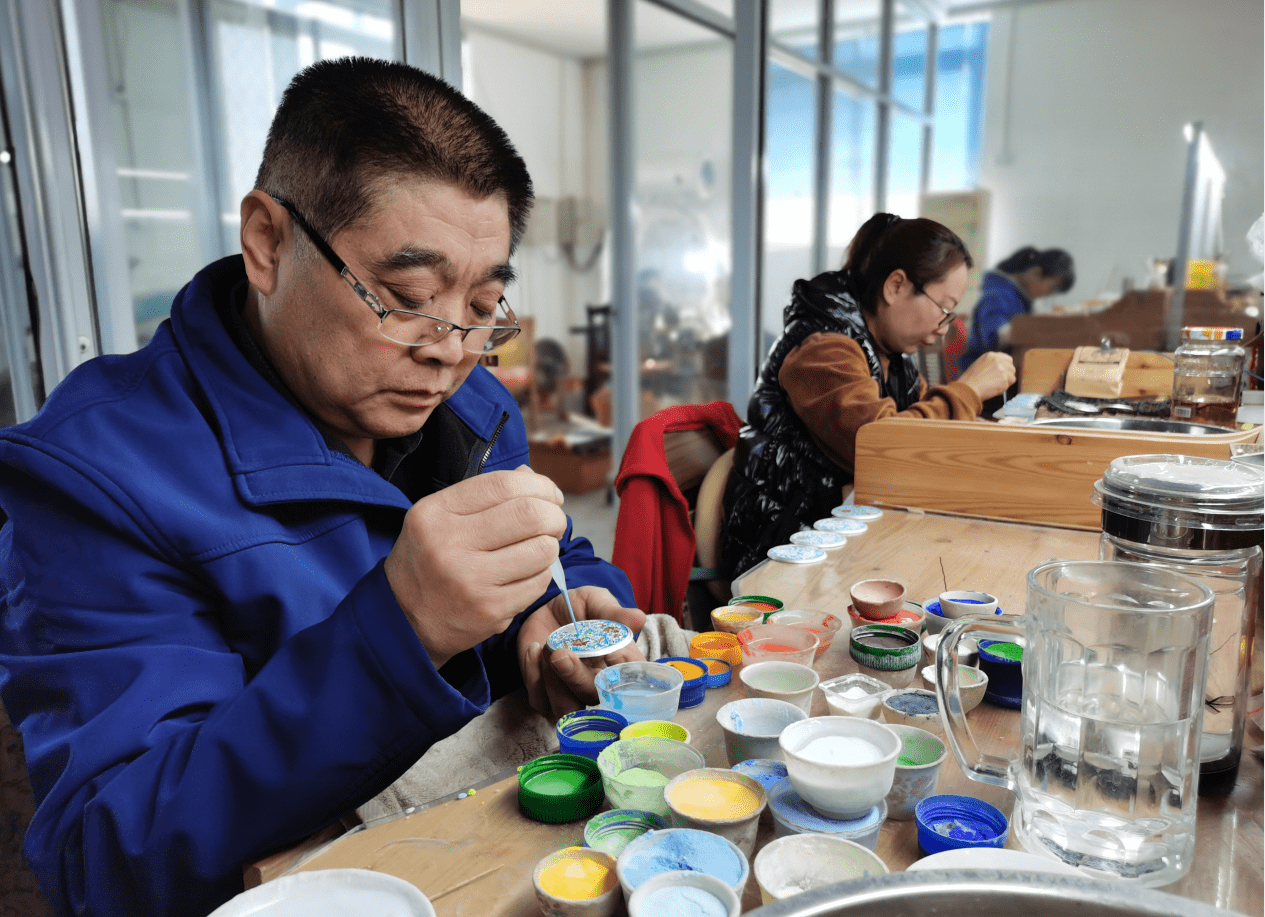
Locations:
1182 501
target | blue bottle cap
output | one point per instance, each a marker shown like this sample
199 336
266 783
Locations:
948 822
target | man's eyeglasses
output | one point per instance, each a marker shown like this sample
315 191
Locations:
949 314
414 329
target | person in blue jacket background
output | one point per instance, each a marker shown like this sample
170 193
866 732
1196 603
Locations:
252 571
1009 290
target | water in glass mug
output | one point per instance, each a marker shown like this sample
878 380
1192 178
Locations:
1115 665
1108 779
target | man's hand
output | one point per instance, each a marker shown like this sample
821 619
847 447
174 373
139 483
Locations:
472 556
560 682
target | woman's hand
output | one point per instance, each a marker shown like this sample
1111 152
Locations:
990 375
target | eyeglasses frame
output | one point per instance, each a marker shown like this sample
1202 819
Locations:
375 304
949 314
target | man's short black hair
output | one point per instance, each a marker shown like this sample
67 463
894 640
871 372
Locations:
346 128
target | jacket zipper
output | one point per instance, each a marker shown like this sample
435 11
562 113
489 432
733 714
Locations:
505 416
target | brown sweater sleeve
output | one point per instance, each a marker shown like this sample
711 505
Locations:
828 384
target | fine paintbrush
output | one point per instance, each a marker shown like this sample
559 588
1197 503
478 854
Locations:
560 579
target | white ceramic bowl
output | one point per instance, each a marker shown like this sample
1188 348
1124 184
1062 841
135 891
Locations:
959 603
913 707
791 865
664 892
968 648
752 726
840 765
657 852
919 778
972 683
789 681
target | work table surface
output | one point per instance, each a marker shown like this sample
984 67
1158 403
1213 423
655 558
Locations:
474 856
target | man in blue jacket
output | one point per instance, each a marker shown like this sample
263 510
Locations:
252 571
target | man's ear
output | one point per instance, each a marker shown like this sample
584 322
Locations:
264 227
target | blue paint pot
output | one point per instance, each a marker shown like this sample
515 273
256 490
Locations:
587 732
948 822
1005 674
791 815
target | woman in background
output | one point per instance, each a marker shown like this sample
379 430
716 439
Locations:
1009 290
845 358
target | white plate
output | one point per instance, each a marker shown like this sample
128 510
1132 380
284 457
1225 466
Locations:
330 893
840 526
990 858
824 540
591 638
847 511
796 554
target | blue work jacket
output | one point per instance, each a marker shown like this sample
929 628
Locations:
1000 301
198 642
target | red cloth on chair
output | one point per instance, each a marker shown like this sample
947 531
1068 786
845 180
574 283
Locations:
654 540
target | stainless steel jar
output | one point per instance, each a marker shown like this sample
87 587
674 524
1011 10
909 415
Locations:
1201 517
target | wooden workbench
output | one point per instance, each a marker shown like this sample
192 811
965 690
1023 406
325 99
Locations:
474 856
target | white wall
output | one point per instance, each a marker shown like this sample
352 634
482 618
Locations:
539 100
1083 146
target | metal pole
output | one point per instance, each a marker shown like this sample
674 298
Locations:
882 126
825 138
750 25
625 383
1177 298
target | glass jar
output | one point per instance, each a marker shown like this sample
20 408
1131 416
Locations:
1201 517
1208 376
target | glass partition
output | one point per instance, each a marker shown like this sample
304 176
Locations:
254 50
851 171
683 118
789 198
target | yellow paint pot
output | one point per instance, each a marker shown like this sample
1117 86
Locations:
718 800
663 728
578 882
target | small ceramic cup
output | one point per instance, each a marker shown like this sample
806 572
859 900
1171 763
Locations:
877 599
718 800
913 707
972 684
752 725
577 882
962 602
789 681
917 771
840 765
968 649
678 893
791 865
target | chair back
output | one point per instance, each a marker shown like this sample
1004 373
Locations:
709 516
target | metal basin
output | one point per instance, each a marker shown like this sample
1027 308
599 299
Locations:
984 893
1138 424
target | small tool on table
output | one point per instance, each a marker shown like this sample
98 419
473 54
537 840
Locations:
560 580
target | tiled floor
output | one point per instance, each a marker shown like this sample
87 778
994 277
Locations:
594 518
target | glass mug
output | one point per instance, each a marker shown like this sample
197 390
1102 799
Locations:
1115 660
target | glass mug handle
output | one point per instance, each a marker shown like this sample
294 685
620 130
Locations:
974 763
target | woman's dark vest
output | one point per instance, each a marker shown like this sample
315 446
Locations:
781 481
